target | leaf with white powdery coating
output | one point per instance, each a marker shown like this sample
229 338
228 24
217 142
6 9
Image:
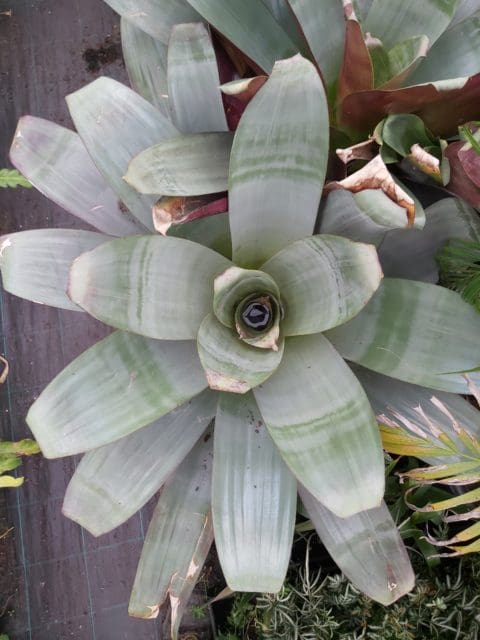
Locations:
230 363
160 287
367 548
178 538
146 61
324 281
56 162
365 216
187 165
395 22
319 417
254 499
456 54
122 383
323 24
155 17
416 332
35 264
250 26
115 124
193 81
278 163
100 498
411 253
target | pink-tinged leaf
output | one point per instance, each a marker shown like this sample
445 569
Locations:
180 209
356 73
470 161
375 175
442 106
460 182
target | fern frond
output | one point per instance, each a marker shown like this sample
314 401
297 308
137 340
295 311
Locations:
459 265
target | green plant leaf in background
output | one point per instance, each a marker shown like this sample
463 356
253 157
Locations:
13 178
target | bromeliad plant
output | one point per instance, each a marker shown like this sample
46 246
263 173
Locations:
375 58
243 319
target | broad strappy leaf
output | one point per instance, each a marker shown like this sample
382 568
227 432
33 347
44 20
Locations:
115 124
155 286
188 165
367 547
230 363
250 26
320 419
324 281
193 81
113 482
56 162
178 538
36 264
416 332
278 165
122 383
254 499
146 61
155 17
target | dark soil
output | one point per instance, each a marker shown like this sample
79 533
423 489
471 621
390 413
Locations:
107 53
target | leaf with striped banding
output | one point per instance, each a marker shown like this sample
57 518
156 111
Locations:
160 287
395 22
55 161
320 419
155 17
113 482
254 499
35 264
456 54
323 24
365 216
324 281
187 165
230 363
178 538
250 26
193 81
146 61
122 383
278 163
416 332
367 547
115 124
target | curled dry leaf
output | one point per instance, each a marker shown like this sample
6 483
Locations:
365 150
375 175
179 209
426 162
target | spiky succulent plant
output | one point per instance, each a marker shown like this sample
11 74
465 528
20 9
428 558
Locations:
242 319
